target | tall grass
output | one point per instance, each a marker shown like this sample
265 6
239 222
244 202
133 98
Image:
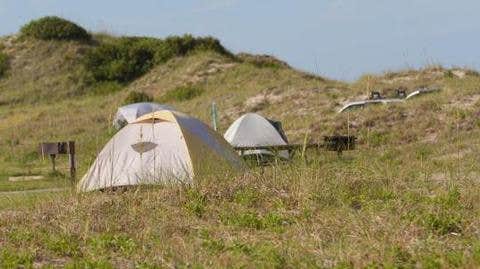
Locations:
361 210
407 197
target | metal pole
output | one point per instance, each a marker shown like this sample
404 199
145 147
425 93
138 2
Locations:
214 116
71 160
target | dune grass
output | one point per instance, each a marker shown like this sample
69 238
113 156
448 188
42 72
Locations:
364 209
406 198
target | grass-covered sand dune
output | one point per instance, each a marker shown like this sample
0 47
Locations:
406 198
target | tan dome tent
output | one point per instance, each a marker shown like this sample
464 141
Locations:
252 130
160 147
129 113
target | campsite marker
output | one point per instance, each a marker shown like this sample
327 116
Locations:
53 149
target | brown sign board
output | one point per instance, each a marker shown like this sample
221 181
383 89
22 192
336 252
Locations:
57 148
53 149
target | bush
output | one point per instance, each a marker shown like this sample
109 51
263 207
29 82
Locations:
127 58
3 64
137 97
52 27
443 223
182 93
196 203
179 46
121 61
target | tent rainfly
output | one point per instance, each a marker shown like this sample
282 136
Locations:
160 147
129 113
252 130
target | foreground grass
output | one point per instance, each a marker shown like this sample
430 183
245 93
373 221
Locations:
361 210
28 200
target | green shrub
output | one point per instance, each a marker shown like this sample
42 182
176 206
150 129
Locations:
64 245
112 242
122 61
178 46
196 203
52 27
14 258
137 97
127 58
243 219
3 64
431 262
182 93
443 223
476 252
246 197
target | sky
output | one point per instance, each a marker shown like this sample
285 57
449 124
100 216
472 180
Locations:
339 39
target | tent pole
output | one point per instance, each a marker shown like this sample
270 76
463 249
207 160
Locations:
214 116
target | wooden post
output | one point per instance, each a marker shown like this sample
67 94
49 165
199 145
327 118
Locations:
304 146
53 156
71 160
54 148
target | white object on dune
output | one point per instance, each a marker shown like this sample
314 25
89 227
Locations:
357 104
420 92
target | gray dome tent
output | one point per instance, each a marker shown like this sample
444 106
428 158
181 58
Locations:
252 130
129 113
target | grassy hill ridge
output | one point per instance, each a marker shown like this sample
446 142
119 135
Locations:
47 89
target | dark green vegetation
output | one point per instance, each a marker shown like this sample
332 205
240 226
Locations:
127 58
3 64
406 198
54 28
137 97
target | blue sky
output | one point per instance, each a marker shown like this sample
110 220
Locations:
340 39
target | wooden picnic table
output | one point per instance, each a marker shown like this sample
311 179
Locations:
331 143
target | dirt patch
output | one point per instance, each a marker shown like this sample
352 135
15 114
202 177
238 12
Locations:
213 68
431 136
25 178
466 101
260 101
459 73
454 155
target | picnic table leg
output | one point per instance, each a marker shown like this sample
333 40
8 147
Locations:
53 156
